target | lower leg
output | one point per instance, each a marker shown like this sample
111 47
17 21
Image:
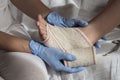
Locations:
104 22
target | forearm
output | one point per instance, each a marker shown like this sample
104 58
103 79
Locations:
103 23
32 7
11 43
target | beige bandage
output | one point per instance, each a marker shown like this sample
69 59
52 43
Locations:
71 40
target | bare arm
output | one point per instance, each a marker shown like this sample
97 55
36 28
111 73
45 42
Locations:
104 22
11 43
32 8
108 19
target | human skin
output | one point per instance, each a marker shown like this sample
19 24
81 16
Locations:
103 23
11 43
32 8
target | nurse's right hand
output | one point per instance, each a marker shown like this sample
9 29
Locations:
53 57
55 19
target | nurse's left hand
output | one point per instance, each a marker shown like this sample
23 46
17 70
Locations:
55 19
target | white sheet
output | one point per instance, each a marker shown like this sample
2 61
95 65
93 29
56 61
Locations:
108 67
78 9
5 15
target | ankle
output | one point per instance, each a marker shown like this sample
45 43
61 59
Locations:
90 33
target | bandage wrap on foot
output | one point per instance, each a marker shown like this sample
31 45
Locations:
71 40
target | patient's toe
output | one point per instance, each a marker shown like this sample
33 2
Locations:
41 23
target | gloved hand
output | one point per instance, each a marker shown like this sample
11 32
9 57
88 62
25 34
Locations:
55 19
53 57
97 44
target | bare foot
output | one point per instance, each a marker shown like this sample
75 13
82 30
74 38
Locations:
41 24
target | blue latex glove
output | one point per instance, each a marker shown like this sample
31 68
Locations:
97 44
55 19
53 57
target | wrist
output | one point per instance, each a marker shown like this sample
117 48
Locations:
35 47
26 47
91 33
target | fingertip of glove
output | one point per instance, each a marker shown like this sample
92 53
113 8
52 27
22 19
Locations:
71 57
81 68
104 38
97 45
83 23
77 69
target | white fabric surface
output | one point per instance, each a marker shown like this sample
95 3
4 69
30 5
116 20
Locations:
1 78
78 9
108 67
5 16
21 66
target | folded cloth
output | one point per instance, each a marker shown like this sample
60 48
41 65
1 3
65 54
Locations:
71 40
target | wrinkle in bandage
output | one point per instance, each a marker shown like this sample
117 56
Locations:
71 40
